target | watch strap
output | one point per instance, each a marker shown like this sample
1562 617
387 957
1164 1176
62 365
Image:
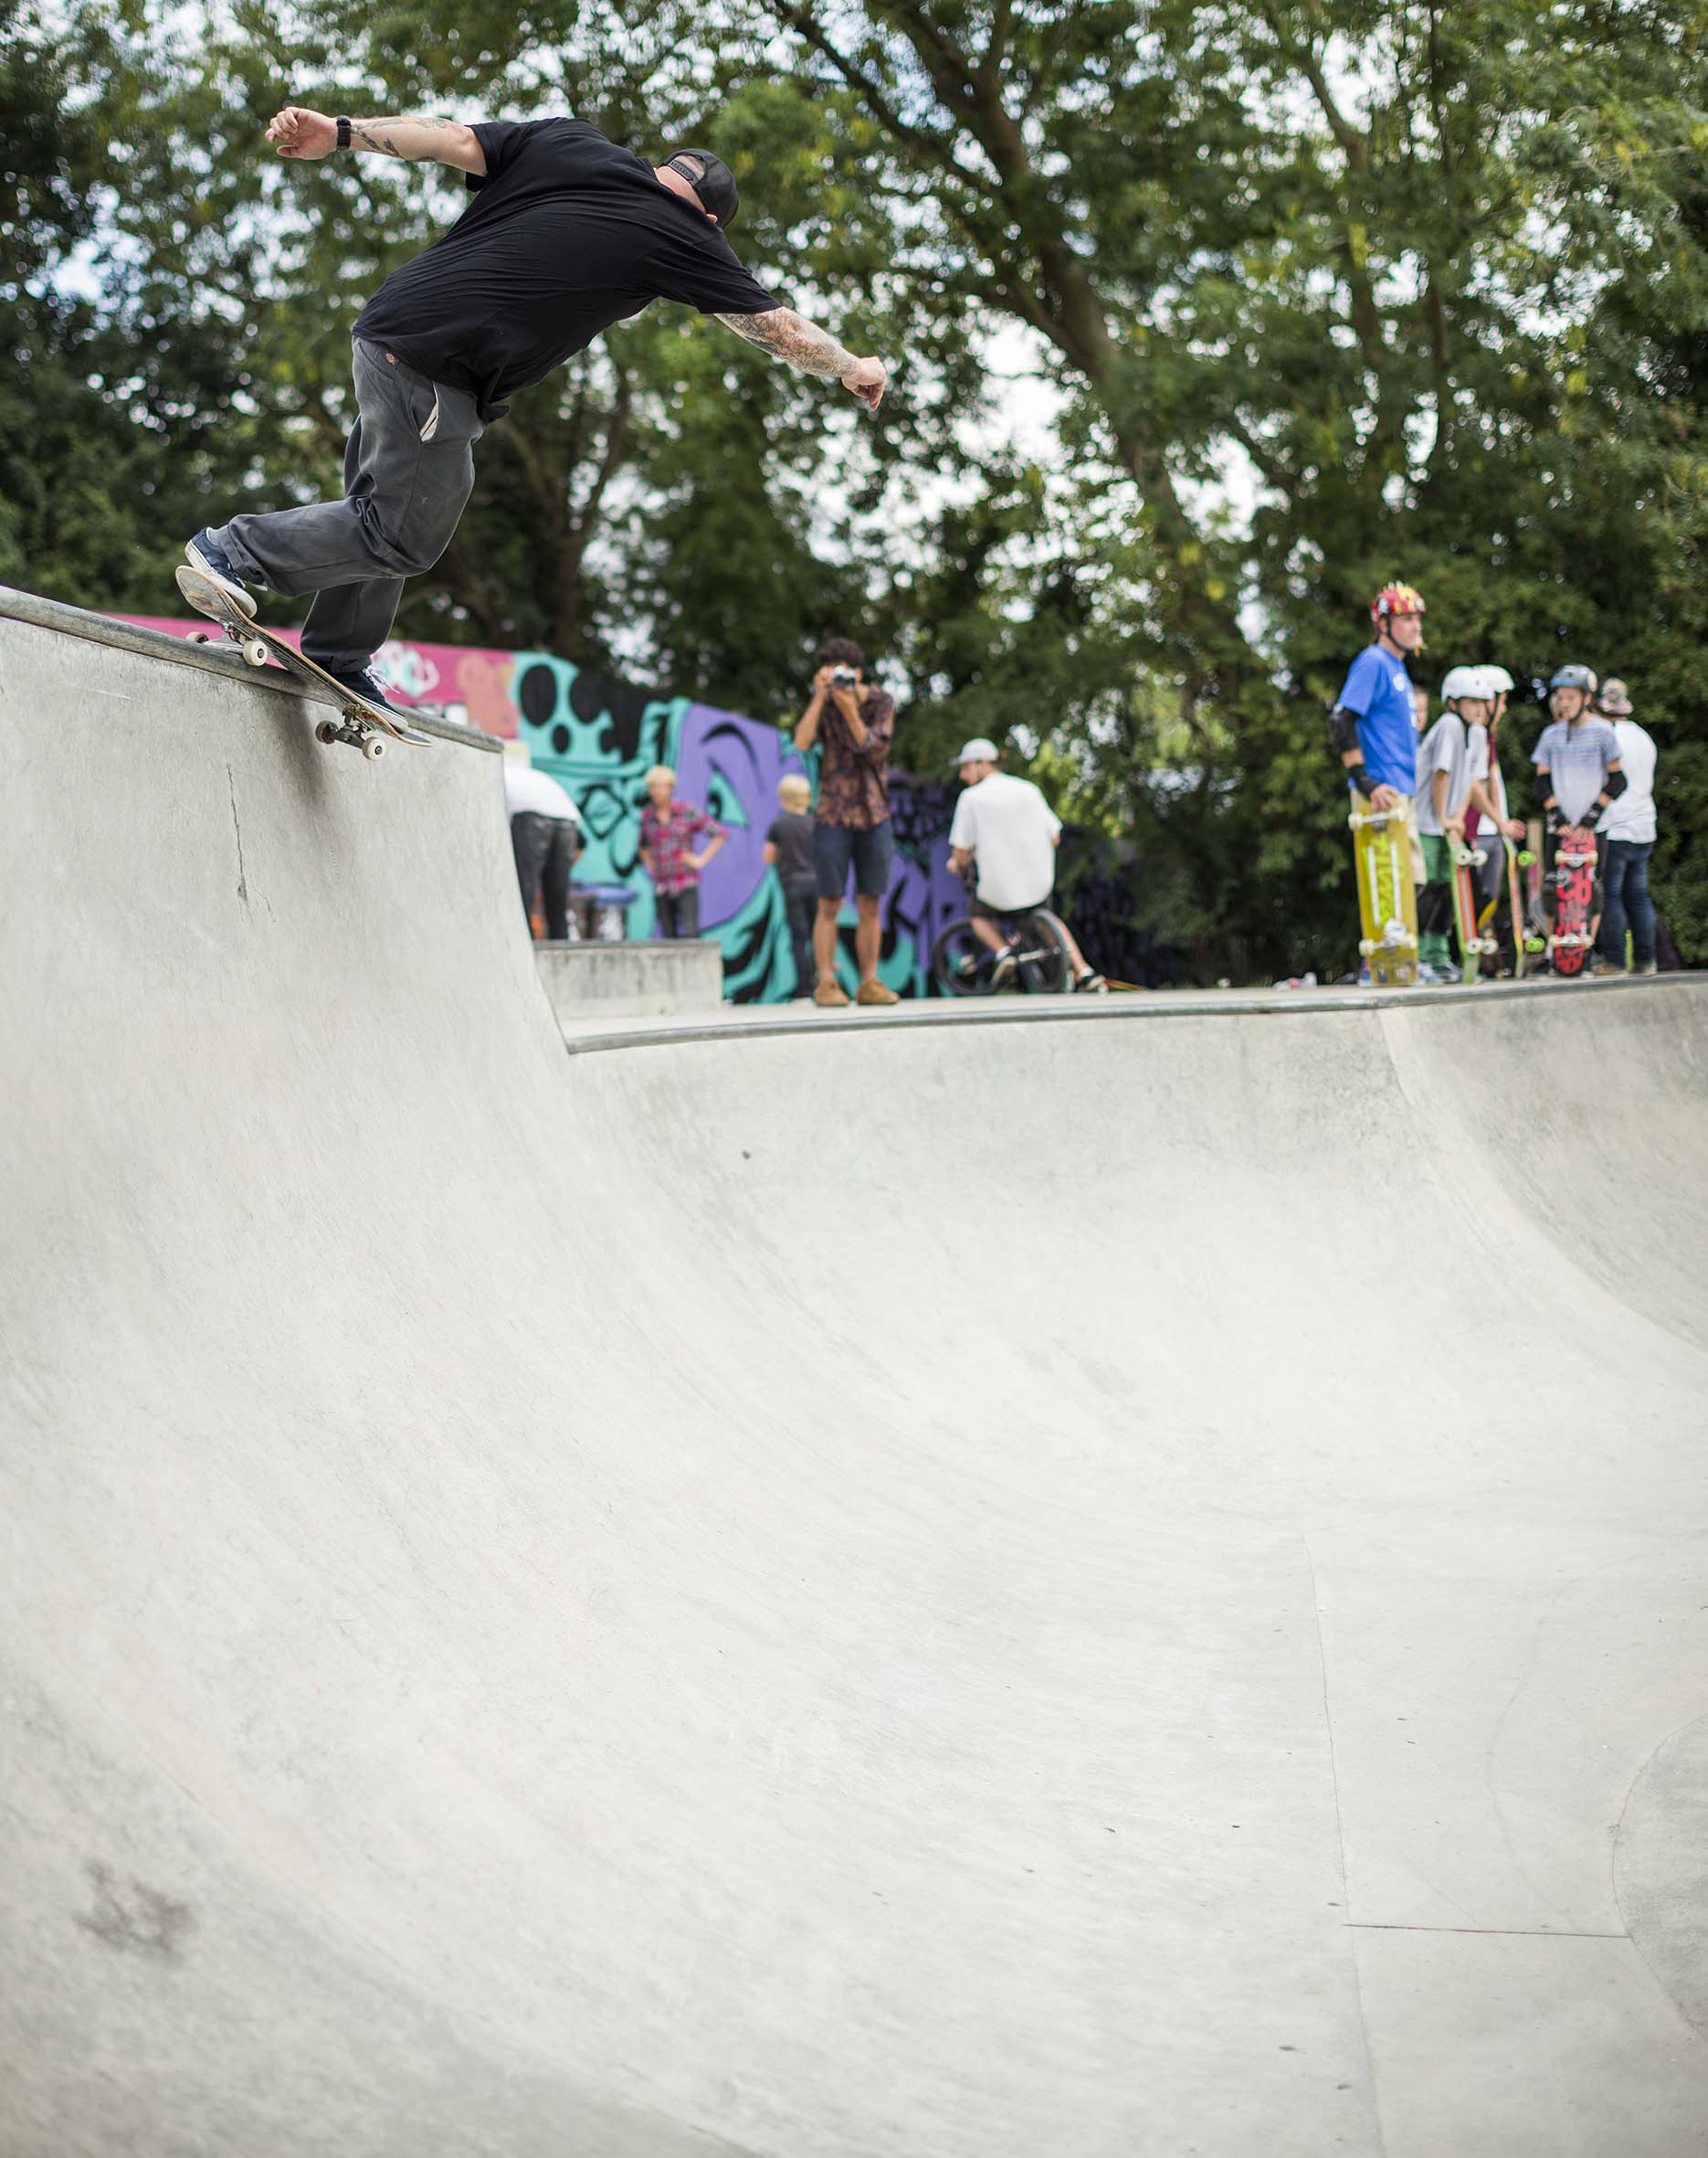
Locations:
343 126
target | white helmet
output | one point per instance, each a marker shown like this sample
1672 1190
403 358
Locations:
1496 682
1464 681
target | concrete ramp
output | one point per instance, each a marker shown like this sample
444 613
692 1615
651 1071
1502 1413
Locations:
1114 1583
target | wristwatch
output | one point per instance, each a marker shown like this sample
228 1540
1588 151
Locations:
343 126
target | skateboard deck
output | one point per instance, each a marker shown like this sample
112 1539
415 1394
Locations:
363 725
1573 897
1472 944
1536 913
1387 900
1527 939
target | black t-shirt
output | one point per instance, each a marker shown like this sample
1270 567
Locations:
566 234
792 835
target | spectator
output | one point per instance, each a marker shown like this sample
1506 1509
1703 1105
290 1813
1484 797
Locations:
1577 768
1487 824
669 830
1439 808
1627 835
544 836
854 723
789 851
1006 826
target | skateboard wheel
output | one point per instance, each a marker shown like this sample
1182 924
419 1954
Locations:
198 637
326 732
373 747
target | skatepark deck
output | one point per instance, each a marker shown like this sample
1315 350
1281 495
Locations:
809 1588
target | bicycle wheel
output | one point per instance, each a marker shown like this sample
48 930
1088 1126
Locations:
960 963
1042 953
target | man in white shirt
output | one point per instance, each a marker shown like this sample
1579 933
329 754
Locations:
1626 835
544 836
1006 826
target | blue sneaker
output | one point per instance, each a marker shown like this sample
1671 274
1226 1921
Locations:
364 682
204 552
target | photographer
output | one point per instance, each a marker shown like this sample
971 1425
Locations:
852 723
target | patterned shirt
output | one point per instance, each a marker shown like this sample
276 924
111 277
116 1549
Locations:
853 784
669 836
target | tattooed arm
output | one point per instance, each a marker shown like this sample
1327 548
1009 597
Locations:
296 132
791 337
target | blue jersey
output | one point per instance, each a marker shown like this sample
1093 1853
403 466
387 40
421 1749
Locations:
1378 690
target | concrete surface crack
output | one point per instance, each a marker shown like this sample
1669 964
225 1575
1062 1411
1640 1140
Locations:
243 887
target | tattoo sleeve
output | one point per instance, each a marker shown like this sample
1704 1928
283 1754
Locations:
791 337
409 137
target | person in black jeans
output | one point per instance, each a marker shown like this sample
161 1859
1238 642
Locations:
566 233
544 837
789 851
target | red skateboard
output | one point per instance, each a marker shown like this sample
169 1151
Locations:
1574 899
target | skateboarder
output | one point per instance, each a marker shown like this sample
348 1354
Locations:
1372 727
1488 826
1577 768
566 233
1438 811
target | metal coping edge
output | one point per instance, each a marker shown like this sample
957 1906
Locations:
216 657
1156 1005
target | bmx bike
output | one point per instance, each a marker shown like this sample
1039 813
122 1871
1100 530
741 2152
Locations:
963 964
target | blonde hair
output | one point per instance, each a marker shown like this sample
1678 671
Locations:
794 787
661 772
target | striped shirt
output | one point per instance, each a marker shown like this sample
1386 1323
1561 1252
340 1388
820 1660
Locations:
1575 759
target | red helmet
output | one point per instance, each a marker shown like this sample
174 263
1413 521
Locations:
1396 599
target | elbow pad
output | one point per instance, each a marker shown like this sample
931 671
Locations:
1343 730
1614 785
1544 785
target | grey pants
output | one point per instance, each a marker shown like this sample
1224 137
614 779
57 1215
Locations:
408 471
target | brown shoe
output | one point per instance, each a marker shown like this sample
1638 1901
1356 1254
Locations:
874 992
830 992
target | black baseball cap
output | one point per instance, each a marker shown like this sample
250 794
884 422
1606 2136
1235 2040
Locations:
711 181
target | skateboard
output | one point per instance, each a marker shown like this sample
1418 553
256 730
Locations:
1528 941
1574 896
1387 900
363 725
1535 912
1471 942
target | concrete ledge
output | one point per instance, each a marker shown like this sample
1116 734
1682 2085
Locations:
640 980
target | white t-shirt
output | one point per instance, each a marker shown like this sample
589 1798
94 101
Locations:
535 794
1632 816
1442 749
1012 829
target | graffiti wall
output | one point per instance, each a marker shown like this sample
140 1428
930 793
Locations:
598 734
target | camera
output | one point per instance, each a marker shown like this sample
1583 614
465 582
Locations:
844 678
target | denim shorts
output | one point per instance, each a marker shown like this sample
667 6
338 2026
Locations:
869 854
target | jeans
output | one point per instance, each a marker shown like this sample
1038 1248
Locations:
801 903
409 473
545 850
1625 870
678 912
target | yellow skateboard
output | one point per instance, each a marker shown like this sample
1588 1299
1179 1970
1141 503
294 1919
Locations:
1387 900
